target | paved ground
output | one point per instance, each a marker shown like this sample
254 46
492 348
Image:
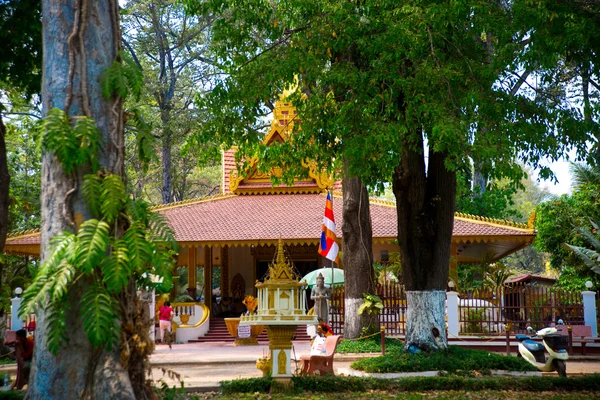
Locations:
204 365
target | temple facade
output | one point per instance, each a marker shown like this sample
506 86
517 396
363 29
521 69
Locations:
226 241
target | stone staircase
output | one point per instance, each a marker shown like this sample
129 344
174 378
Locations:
218 333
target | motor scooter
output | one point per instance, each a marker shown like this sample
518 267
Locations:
556 345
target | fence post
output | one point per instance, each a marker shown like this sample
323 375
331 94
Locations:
452 313
382 340
15 321
589 310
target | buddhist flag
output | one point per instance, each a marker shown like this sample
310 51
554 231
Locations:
328 248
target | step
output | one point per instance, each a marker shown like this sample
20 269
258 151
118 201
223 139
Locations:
218 333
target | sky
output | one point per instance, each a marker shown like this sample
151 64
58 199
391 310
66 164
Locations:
561 170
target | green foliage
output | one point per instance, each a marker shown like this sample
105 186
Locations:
253 385
164 392
372 305
21 50
475 317
73 146
24 167
452 360
590 257
365 101
367 386
496 201
13 395
556 219
124 78
371 344
124 244
99 316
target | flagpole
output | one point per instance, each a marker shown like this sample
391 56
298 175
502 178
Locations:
332 278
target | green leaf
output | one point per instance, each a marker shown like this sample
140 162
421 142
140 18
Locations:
94 240
92 193
591 258
144 137
161 229
88 138
362 308
140 251
113 197
99 315
59 139
62 278
116 270
61 247
57 325
37 294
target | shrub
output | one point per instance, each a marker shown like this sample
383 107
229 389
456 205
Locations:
452 360
370 344
340 384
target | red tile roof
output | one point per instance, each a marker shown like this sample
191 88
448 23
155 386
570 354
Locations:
530 277
297 218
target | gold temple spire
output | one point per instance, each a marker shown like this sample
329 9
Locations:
281 269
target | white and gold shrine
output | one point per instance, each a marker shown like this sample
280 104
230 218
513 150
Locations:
281 308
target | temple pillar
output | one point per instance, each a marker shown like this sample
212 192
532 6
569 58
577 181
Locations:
208 277
453 272
191 289
225 271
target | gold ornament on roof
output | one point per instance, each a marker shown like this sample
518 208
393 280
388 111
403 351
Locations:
531 220
281 269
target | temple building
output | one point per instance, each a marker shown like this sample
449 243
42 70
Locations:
227 241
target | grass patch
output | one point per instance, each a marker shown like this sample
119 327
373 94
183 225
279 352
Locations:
12 395
453 360
370 344
347 384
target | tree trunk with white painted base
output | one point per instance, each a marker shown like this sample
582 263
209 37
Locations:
357 255
426 330
425 207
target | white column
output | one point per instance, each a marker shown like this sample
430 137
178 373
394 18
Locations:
266 310
589 310
452 313
152 314
15 321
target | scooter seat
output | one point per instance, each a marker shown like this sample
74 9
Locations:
521 337
532 346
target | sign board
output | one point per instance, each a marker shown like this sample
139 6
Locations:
244 331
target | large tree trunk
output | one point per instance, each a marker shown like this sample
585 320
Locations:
167 174
4 188
357 252
81 39
425 206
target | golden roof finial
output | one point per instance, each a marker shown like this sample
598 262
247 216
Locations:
281 269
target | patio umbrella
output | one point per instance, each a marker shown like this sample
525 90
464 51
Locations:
338 276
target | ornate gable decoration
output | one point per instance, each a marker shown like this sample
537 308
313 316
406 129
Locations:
252 181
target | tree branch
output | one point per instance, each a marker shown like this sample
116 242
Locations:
519 82
132 52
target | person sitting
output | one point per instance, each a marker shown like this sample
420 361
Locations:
24 353
327 331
